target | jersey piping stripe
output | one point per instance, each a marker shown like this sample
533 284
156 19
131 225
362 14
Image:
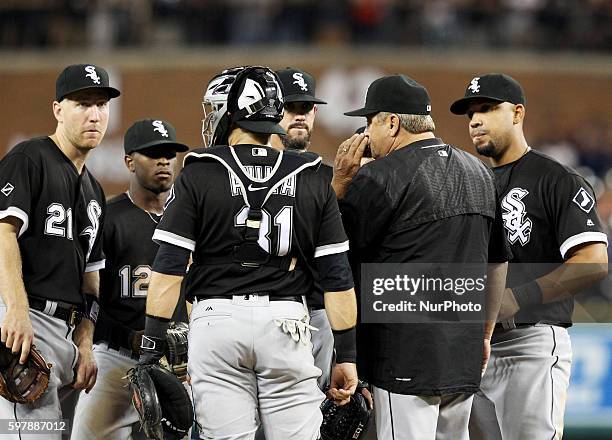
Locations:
177 240
96 265
329 249
583 237
13 211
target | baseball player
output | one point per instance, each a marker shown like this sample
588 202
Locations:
559 248
257 220
299 111
51 212
150 156
419 201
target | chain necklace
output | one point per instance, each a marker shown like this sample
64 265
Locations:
154 217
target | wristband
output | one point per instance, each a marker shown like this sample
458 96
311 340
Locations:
153 343
528 294
92 307
345 345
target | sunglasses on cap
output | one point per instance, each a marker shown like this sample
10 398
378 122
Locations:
299 108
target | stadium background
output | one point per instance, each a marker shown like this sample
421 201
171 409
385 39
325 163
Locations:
161 54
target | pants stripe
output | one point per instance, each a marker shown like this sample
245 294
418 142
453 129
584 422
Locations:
552 383
391 413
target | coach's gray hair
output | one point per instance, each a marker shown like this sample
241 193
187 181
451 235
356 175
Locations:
414 124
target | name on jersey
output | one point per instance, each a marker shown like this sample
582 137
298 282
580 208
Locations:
287 188
515 217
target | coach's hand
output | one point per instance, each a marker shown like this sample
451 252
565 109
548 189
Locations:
86 368
343 382
348 161
17 332
508 307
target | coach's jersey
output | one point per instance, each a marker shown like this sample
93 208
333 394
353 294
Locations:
425 203
61 213
547 209
206 213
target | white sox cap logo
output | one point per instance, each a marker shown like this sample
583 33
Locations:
514 216
159 127
474 86
299 80
91 73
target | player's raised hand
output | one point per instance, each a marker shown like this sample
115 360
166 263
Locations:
343 382
17 332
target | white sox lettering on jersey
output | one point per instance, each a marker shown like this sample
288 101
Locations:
515 217
93 213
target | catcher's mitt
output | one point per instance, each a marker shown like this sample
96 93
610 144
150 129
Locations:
162 402
176 349
23 383
346 422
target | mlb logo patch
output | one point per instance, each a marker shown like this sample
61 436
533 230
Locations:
259 152
7 189
584 200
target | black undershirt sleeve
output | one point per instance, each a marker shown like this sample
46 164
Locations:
171 259
335 272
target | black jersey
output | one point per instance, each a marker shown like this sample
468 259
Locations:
547 209
316 299
425 203
62 213
124 282
129 254
206 213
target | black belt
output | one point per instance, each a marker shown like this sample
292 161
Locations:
294 298
70 313
500 328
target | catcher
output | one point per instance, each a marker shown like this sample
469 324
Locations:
150 156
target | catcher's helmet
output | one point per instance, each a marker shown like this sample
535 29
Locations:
250 97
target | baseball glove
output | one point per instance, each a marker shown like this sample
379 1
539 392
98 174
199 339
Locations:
162 402
346 422
23 383
176 349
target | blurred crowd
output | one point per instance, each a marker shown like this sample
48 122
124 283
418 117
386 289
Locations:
518 24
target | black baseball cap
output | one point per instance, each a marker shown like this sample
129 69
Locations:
148 133
395 94
298 85
80 77
495 86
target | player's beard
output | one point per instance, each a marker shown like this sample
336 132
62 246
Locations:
296 142
487 150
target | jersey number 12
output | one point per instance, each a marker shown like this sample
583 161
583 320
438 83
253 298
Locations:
135 283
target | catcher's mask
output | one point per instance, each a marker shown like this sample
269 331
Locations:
250 97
